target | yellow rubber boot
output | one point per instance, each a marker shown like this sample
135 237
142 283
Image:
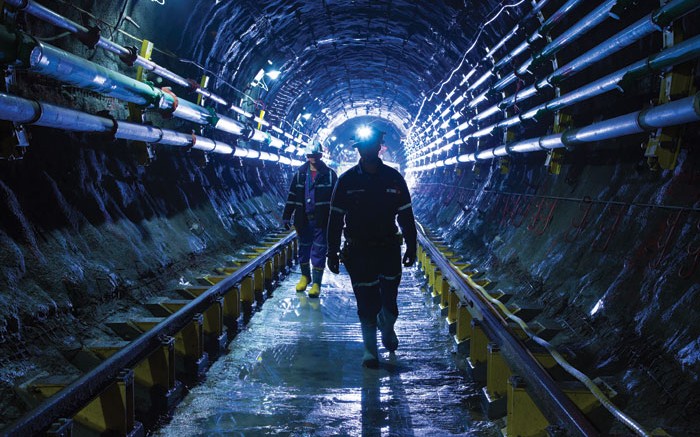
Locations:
315 290
303 283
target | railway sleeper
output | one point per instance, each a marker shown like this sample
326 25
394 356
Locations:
112 412
231 305
503 393
156 390
524 418
215 334
191 360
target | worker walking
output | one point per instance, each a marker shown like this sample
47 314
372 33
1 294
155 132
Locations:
309 202
367 202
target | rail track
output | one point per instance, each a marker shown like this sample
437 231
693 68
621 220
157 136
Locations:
137 378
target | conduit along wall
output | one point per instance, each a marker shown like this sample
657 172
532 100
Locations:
85 230
24 52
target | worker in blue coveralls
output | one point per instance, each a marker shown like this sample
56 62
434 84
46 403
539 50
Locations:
309 201
367 202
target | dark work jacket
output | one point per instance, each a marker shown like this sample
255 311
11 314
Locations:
368 206
323 190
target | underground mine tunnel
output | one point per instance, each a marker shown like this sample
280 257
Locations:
550 148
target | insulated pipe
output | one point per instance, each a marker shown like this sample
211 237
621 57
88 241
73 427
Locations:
52 62
651 23
661 17
682 111
129 55
679 53
552 21
590 21
24 111
84 34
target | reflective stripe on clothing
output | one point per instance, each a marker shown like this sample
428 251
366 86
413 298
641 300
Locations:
390 278
406 206
335 209
366 284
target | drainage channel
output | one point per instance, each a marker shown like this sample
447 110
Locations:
142 376
523 380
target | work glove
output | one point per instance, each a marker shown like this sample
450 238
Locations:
409 258
333 263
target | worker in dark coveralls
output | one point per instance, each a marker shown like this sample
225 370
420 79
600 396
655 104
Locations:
309 201
367 202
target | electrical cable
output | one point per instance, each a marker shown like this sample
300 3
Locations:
594 389
459 66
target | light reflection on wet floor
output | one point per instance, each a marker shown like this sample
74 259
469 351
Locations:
295 371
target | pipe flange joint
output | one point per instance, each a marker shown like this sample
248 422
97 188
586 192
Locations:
639 120
112 134
568 139
130 58
37 113
247 132
508 148
91 37
160 137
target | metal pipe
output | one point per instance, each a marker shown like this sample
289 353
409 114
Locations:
84 34
53 62
552 21
682 111
679 53
67 402
643 27
24 111
590 21
552 402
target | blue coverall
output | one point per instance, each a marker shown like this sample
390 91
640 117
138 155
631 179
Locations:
309 201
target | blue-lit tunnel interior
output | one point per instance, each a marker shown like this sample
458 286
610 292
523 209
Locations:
551 145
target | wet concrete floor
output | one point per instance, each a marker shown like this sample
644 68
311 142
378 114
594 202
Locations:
295 370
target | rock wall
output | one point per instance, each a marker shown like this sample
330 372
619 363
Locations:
622 291
85 232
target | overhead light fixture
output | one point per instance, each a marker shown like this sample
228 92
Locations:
363 132
306 116
273 74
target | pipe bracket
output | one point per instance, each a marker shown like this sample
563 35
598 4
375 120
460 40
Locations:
112 134
90 38
168 113
130 58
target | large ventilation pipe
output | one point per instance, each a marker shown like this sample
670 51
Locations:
92 38
24 111
671 114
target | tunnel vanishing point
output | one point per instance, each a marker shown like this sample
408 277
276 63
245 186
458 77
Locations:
551 147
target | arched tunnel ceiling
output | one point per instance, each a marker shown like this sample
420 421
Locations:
342 59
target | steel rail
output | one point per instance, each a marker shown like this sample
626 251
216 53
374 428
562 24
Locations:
72 398
552 402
